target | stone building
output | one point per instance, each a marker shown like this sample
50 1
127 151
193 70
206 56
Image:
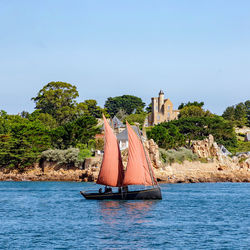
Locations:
162 110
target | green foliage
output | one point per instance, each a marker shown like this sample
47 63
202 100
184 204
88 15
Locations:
167 137
58 100
23 142
23 139
46 119
4 123
182 154
247 105
70 134
239 114
197 104
128 103
193 128
136 118
6 146
149 108
85 150
242 146
193 111
89 107
229 113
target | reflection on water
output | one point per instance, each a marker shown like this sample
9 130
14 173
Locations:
119 218
111 212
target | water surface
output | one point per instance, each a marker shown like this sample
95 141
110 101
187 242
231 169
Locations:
53 215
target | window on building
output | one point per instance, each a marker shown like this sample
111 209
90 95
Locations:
168 107
158 118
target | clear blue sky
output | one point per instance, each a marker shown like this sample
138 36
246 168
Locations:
192 50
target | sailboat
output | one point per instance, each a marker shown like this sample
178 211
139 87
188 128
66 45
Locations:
139 170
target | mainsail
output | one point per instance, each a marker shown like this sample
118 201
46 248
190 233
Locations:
111 173
139 170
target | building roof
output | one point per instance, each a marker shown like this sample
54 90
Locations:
123 136
117 123
114 123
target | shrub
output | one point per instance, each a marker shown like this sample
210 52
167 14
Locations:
170 156
71 157
242 146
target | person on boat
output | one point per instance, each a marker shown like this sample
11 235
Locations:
108 189
100 190
125 189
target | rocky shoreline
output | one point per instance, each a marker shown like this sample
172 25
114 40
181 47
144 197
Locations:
188 172
219 167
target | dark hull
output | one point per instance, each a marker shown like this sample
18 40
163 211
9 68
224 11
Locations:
149 194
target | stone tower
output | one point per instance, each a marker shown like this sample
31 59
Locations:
160 101
162 110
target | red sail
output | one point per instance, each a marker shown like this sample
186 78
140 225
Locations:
138 170
111 172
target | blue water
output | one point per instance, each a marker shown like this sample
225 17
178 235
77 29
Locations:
53 215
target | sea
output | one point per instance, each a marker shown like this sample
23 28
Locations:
53 215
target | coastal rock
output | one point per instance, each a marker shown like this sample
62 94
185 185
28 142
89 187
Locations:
210 150
153 152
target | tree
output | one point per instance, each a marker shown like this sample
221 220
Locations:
89 107
193 111
195 103
136 118
58 100
247 104
194 128
4 123
23 142
149 108
128 103
167 137
44 118
72 133
228 114
239 114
